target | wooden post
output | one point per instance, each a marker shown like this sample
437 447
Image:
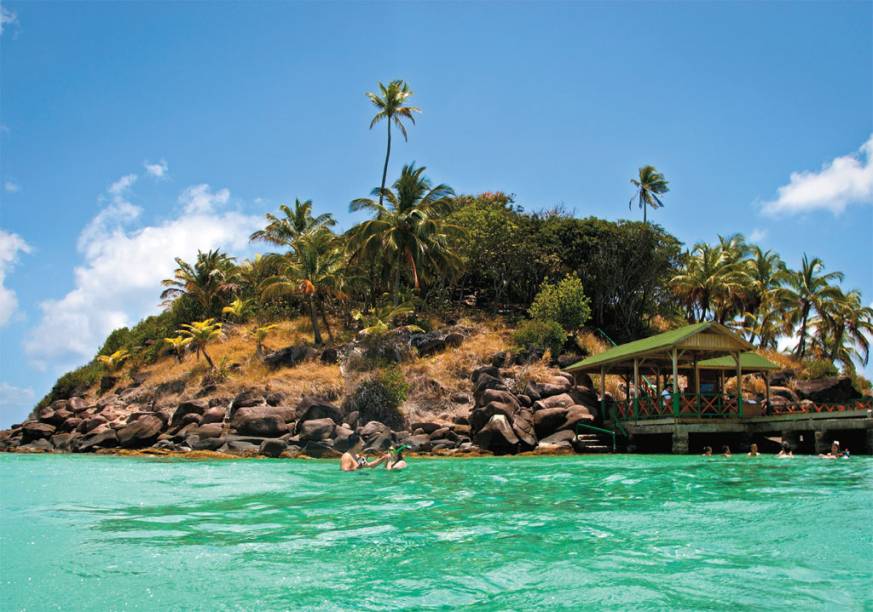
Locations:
767 389
658 389
697 384
636 389
675 382
739 386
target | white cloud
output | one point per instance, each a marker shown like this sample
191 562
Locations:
157 170
122 185
757 234
7 18
10 246
19 399
118 281
10 186
200 199
844 180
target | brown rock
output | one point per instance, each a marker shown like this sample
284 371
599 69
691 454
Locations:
564 400
523 426
548 420
142 432
497 435
259 421
33 430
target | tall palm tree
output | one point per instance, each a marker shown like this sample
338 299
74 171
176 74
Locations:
294 223
709 282
312 270
844 329
808 289
650 184
766 298
390 101
410 229
213 274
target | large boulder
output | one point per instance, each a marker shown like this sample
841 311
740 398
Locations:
71 424
213 415
420 443
497 436
548 420
90 424
65 442
77 405
564 400
246 399
319 449
316 429
555 385
584 395
142 432
480 416
313 408
33 430
209 430
576 414
272 447
259 421
194 406
427 344
490 370
485 382
498 395
831 389
454 339
426 427
103 437
559 437
290 356
523 426
342 438
377 436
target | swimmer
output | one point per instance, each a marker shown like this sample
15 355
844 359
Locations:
785 451
707 451
726 451
352 461
835 451
396 462
753 450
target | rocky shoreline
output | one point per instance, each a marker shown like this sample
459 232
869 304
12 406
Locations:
509 415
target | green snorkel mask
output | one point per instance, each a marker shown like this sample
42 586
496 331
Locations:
399 450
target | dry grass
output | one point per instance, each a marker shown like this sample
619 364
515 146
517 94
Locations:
590 344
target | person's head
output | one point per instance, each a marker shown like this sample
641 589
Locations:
835 447
726 449
707 450
668 387
753 448
355 443
786 448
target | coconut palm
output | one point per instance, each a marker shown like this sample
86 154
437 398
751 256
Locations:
114 361
260 334
650 184
410 230
292 224
312 270
766 297
390 101
709 282
212 276
236 308
844 328
807 291
201 333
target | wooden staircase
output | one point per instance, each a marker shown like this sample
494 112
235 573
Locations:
589 443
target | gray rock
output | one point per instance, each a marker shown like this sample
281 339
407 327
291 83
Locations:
142 432
548 420
195 406
317 429
259 421
101 438
497 435
312 408
213 415
272 447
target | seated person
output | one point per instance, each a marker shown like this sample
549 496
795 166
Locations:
785 451
396 460
753 450
352 461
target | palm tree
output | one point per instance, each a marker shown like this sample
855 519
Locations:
410 230
808 289
650 185
296 222
766 297
844 328
114 361
313 269
709 281
236 308
201 333
390 102
213 275
261 332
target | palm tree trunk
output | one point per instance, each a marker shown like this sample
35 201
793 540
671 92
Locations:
316 334
208 358
412 266
385 167
324 320
397 281
801 345
645 207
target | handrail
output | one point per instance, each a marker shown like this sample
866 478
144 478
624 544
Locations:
597 429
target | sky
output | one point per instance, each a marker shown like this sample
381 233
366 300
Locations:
134 132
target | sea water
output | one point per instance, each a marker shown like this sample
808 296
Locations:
576 532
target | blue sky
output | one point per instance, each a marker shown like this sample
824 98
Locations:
133 132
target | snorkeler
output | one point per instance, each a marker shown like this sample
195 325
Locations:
785 451
352 461
396 461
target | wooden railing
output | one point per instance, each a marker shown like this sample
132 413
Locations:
716 405
810 407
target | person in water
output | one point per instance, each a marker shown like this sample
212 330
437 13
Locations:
726 451
835 453
707 451
753 450
352 461
785 451
396 460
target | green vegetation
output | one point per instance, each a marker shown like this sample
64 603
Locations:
379 398
426 252
114 361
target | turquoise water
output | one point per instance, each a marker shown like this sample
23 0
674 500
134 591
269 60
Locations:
625 531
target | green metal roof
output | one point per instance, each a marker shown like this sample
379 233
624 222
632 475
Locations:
749 361
645 345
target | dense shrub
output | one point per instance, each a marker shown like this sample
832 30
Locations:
540 335
564 303
379 398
